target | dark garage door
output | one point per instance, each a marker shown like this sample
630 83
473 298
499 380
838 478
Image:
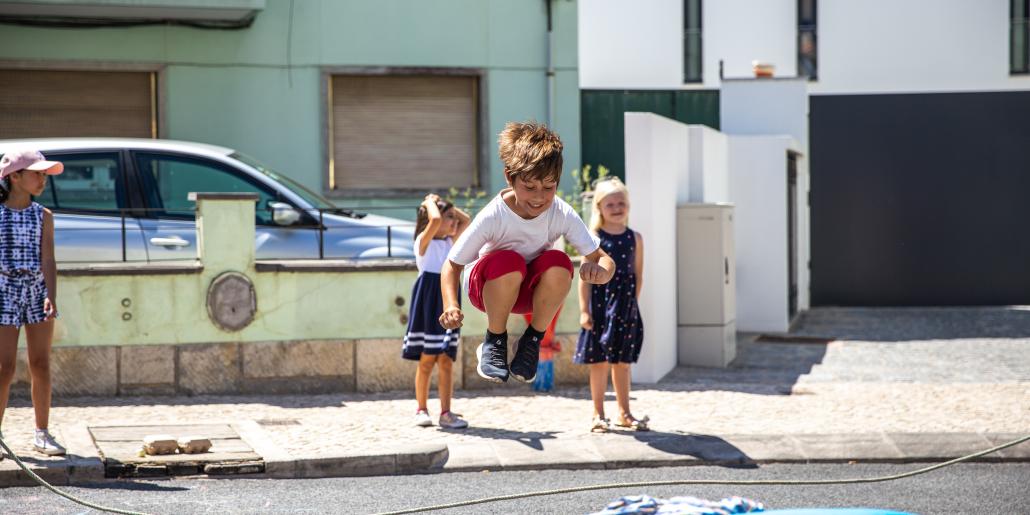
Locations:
920 199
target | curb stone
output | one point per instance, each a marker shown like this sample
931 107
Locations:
613 451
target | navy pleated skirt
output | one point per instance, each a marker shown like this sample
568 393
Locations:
425 334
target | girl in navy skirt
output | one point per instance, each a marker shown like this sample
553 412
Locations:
612 330
439 223
28 286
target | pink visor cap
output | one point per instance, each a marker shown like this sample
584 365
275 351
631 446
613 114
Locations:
17 160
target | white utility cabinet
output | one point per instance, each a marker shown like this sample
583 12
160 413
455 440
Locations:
706 289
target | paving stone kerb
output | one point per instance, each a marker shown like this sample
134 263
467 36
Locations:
887 397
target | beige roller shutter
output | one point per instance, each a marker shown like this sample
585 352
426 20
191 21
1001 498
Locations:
403 132
50 103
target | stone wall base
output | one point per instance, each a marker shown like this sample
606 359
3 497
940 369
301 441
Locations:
291 367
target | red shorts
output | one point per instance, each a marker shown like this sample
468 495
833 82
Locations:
496 264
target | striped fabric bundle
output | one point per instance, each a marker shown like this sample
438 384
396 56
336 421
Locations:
645 504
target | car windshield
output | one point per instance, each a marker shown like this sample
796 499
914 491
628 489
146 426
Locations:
317 201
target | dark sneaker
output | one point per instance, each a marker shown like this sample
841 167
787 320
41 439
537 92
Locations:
527 356
493 359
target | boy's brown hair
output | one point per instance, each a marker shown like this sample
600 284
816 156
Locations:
531 151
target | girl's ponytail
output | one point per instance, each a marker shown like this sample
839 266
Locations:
5 189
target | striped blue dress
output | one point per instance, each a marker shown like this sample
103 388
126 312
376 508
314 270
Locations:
425 334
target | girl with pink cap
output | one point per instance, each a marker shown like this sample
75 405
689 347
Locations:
28 286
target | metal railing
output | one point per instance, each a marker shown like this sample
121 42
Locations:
129 221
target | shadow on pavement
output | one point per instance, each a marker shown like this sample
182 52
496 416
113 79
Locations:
132 485
531 439
710 449
914 323
760 368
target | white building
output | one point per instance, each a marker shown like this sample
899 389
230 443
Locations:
918 134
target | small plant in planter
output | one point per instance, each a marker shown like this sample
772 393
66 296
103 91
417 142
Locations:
468 199
582 193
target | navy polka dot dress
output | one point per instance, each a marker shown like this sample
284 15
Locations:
618 330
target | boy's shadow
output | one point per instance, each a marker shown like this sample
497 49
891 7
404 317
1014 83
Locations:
531 439
710 449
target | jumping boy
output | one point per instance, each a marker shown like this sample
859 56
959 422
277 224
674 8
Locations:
514 269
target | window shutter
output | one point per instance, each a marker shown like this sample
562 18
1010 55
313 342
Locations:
51 103
404 131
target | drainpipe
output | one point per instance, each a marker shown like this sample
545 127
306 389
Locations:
550 68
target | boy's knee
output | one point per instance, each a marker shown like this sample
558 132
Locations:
557 274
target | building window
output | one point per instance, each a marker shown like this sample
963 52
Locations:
808 63
60 103
692 41
1018 40
403 132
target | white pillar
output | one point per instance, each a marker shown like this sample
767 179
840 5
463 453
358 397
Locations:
656 164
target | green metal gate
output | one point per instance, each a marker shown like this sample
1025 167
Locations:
602 121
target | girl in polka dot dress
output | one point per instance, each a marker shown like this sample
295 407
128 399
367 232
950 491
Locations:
612 331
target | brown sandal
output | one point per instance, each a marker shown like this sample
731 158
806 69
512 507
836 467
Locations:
600 425
635 424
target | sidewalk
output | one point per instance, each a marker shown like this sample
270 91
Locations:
895 387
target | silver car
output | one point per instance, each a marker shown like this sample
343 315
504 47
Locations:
123 199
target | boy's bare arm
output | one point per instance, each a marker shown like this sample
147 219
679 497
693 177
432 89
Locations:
450 276
597 267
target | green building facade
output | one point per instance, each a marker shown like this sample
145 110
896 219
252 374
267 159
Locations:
265 88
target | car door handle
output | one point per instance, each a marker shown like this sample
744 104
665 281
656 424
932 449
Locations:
174 241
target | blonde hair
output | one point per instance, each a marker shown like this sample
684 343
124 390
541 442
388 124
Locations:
531 151
601 190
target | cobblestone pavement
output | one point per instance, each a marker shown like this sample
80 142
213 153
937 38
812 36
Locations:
878 377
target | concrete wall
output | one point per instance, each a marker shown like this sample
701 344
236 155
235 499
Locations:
259 90
709 170
656 164
772 107
751 173
873 46
758 189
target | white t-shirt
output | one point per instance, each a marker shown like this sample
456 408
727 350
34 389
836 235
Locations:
497 227
436 254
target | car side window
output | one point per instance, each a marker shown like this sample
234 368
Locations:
91 182
169 179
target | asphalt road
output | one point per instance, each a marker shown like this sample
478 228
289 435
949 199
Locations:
987 488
